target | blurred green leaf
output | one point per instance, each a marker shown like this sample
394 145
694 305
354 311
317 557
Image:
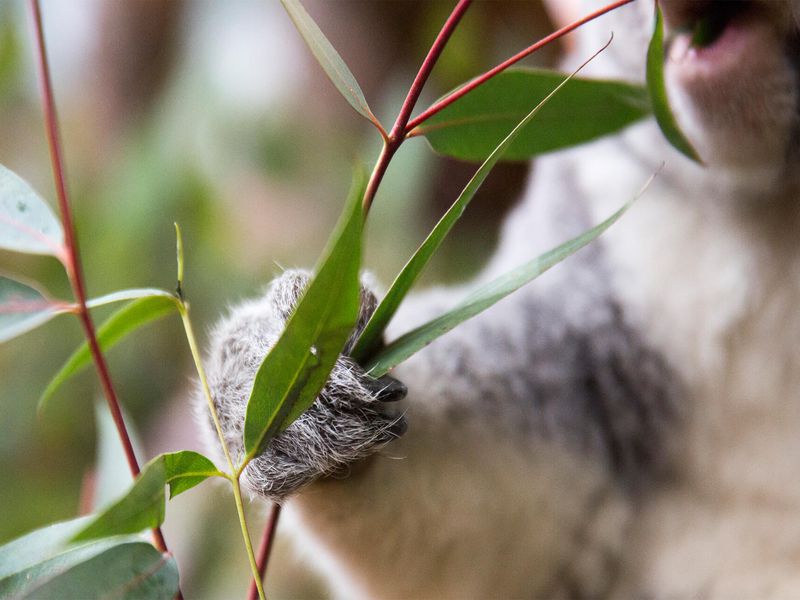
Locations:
484 297
43 564
27 223
126 320
142 507
24 552
371 336
104 569
23 308
294 371
657 88
329 59
131 294
586 109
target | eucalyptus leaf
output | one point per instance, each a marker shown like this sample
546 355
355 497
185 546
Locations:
23 308
484 297
329 59
126 320
106 569
371 336
473 126
131 294
142 506
24 552
27 223
296 368
657 88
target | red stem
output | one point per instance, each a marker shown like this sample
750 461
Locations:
265 548
481 79
398 132
72 259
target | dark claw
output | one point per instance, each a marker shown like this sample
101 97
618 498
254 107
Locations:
399 427
387 389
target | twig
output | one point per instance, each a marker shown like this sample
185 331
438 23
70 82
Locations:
71 259
265 548
481 79
398 132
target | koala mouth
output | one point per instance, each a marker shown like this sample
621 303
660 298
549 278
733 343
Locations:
703 22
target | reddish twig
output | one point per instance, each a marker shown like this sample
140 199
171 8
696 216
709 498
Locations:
481 79
398 132
265 548
72 258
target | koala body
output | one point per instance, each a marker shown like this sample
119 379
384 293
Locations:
625 425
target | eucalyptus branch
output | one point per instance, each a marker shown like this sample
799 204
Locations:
265 548
481 79
71 258
398 132
234 473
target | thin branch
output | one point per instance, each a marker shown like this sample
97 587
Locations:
72 259
397 135
265 548
481 79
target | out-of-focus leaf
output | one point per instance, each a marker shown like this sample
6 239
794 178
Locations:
371 336
329 59
104 569
27 223
126 320
112 477
24 552
586 109
23 308
294 371
484 297
657 88
142 507
132 294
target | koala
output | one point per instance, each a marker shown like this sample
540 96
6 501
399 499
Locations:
625 426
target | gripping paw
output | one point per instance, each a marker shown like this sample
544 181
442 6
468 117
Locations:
350 419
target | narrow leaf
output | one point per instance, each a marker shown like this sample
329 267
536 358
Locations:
27 223
471 127
126 320
142 507
23 308
657 88
294 371
484 297
106 569
371 336
329 59
131 294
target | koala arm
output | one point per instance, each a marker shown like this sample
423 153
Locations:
527 427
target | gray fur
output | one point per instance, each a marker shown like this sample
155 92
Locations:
344 425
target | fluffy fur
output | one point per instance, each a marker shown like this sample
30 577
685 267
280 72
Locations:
626 425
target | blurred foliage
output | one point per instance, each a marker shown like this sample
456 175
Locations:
254 174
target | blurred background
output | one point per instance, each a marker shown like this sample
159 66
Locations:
216 116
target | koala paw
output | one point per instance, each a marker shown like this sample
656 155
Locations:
350 420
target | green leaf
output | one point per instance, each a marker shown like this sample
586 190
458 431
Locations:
329 59
142 507
43 564
131 294
657 88
106 569
586 109
27 223
371 336
294 371
127 319
23 308
484 297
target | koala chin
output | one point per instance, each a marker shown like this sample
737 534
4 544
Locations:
625 426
